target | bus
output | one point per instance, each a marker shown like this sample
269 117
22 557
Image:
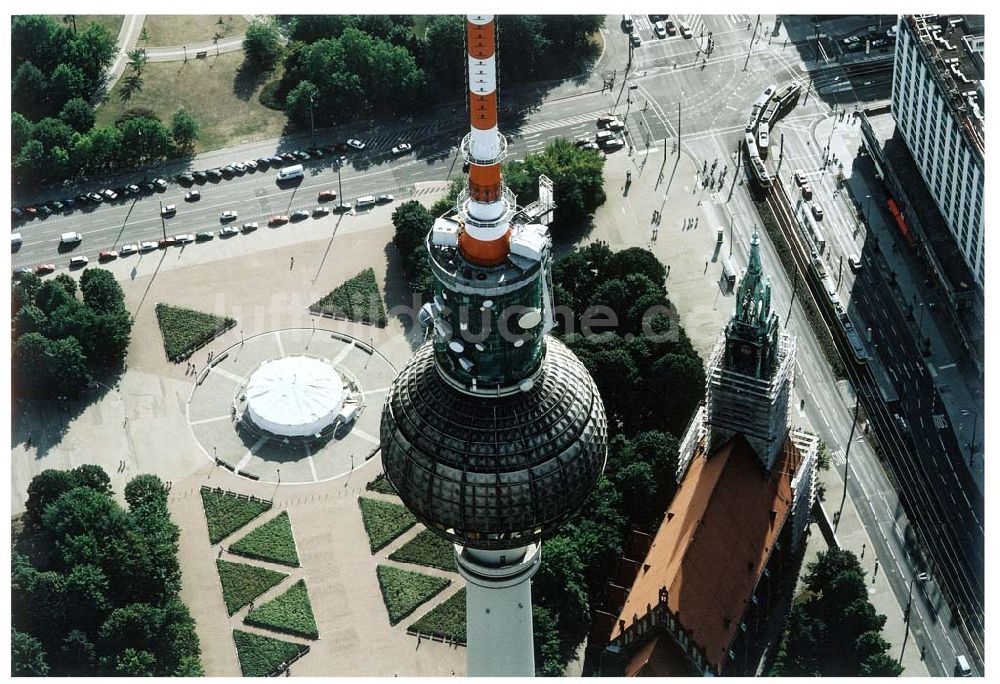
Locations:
787 98
763 178
765 97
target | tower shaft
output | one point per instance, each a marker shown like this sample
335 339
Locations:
499 629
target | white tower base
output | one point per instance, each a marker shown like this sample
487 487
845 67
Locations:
498 610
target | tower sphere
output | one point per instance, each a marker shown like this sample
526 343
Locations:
494 472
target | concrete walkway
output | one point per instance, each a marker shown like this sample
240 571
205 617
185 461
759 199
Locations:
127 38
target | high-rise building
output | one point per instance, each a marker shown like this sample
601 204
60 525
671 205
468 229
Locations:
700 592
493 433
938 102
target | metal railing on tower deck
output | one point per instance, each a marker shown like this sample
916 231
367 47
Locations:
469 157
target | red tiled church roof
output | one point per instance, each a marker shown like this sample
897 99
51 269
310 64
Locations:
714 542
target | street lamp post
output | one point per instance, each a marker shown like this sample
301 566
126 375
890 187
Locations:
312 124
919 577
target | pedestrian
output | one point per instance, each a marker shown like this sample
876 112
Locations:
875 574
706 267
696 222
863 545
126 422
668 270
194 369
220 552
923 652
290 265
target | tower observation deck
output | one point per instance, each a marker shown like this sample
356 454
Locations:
493 434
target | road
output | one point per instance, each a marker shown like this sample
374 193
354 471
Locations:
680 93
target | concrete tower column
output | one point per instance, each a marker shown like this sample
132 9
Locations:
498 609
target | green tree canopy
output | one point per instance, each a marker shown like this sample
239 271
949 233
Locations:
185 130
78 115
262 44
27 656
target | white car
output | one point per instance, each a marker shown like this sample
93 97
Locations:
240 168
148 246
78 262
685 29
229 230
402 148
356 144
384 199
128 249
185 238
168 210
615 125
229 215
249 227
250 164
192 196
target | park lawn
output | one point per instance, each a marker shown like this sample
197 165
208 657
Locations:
112 22
404 590
225 514
213 90
381 484
291 612
242 583
447 620
170 30
384 521
272 541
261 656
357 299
427 549
186 330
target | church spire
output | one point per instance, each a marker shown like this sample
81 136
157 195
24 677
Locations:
753 329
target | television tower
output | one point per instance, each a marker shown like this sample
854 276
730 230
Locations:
493 434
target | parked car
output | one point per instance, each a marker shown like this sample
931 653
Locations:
22 270
660 29
817 210
229 231
356 144
264 163
854 262
807 191
44 269
94 197
107 255
147 246
279 220
685 29
590 146
320 211
249 227
613 144
299 214
327 195
109 195
192 196
616 125
402 148
301 155
582 140
228 215
342 208
635 39
315 153
228 171
277 160
800 177
55 205
128 249
214 174
200 176
603 121
384 199
44 211
671 28
32 212
150 186
78 262
240 167
82 198
250 164
167 242
204 235
184 238
340 147
168 210
69 203
184 179
160 183
288 157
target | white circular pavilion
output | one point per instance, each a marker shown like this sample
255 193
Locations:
296 396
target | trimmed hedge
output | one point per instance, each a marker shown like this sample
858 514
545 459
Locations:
404 590
447 620
226 513
384 521
357 299
291 612
262 656
185 330
272 541
427 549
242 583
381 485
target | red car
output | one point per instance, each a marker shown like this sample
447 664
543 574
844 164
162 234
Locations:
327 195
169 242
278 221
42 269
107 255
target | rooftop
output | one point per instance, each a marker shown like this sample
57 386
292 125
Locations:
935 229
954 47
714 543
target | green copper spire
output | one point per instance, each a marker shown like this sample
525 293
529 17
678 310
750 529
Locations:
752 331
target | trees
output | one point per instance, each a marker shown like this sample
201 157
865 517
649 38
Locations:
412 222
78 115
185 130
262 45
835 631
27 656
444 50
300 102
577 176
99 593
